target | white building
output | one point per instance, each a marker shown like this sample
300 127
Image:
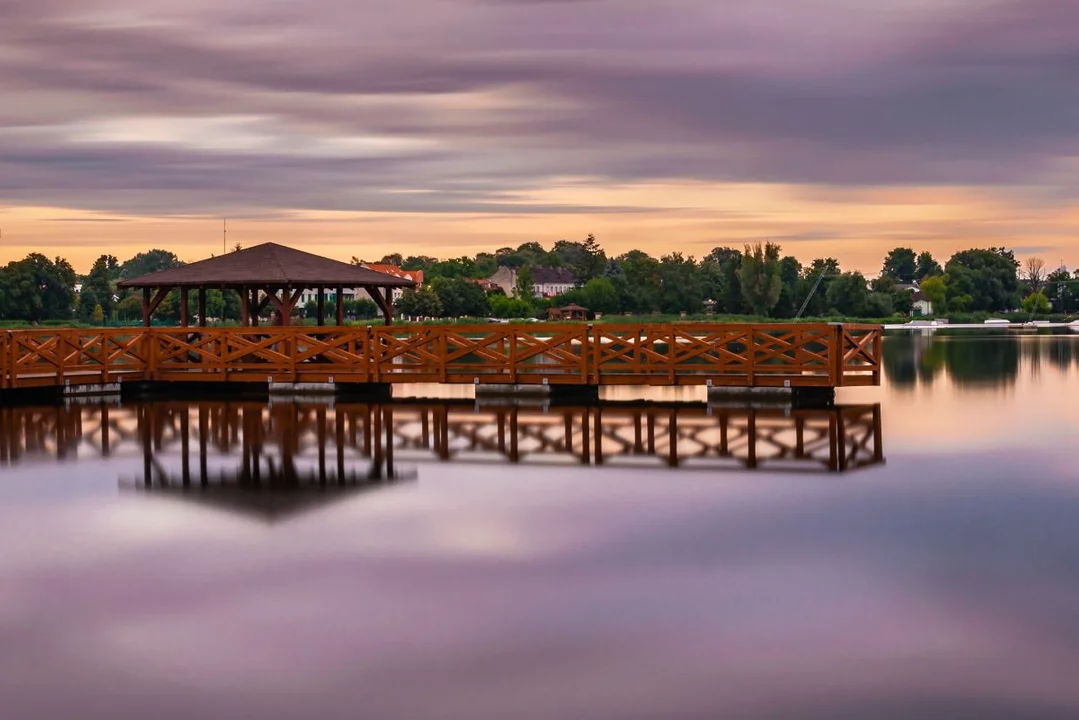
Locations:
415 276
546 282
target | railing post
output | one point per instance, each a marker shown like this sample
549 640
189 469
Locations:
103 336
836 354
513 354
443 347
751 354
374 351
151 353
5 367
586 348
878 357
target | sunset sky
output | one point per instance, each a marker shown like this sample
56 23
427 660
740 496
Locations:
446 127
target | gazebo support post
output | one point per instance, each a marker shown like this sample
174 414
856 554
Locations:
383 302
321 306
245 310
184 317
148 305
340 306
252 299
293 300
202 307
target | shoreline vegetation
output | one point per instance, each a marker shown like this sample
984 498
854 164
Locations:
954 319
756 284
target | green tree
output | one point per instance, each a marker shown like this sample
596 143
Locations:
129 309
98 289
599 295
524 287
149 262
1036 302
420 303
586 259
927 266
1059 289
880 305
821 273
900 264
639 287
790 273
935 290
848 295
361 309
759 277
680 284
507 307
35 289
984 280
460 298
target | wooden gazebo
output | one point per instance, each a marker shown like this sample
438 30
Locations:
570 312
264 274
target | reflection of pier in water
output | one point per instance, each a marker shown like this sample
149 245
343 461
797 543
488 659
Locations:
283 445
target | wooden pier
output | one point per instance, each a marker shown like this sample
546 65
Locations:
795 355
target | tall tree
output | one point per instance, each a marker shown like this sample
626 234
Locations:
1035 273
759 277
524 286
35 289
461 298
927 266
985 279
935 290
848 295
680 284
900 264
149 262
98 289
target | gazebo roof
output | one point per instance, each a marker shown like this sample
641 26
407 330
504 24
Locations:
267 265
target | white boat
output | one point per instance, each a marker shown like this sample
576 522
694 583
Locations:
1074 326
997 321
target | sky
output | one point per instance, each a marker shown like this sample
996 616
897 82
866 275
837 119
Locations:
447 127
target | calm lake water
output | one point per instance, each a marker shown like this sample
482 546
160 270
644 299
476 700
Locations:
913 553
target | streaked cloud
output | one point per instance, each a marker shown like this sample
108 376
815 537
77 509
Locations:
480 107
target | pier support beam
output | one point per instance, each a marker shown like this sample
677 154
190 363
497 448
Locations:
813 397
371 392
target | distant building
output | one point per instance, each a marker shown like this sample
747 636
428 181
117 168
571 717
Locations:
546 282
505 278
416 276
921 305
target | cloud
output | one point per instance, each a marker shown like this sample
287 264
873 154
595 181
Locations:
200 107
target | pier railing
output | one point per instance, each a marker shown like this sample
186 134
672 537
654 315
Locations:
737 355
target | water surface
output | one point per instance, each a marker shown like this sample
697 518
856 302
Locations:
912 553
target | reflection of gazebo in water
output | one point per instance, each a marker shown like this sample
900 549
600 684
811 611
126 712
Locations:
264 274
273 479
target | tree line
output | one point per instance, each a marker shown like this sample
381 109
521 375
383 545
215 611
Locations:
757 280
